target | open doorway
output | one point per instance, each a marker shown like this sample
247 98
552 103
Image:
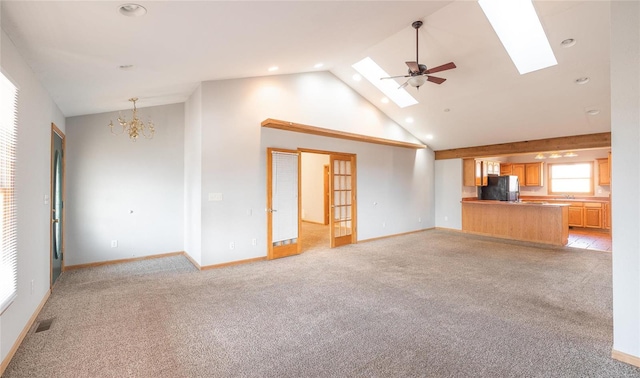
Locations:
327 219
57 204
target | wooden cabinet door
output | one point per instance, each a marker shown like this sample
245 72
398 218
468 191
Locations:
485 173
505 169
468 173
518 170
496 168
604 176
575 216
533 174
478 173
606 216
592 217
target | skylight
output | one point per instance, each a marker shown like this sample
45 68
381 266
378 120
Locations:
517 25
373 72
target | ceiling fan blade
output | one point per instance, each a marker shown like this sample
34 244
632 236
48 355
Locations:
443 67
435 79
413 66
404 85
394 77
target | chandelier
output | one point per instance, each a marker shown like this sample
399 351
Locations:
135 127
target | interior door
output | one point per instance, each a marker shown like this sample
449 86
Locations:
343 200
57 203
283 203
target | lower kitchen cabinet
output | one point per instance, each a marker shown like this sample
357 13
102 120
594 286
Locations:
576 215
593 215
606 216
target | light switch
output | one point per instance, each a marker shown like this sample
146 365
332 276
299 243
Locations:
46 199
215 196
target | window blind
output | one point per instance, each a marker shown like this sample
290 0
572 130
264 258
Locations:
8 216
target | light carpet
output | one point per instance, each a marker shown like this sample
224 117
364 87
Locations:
430 304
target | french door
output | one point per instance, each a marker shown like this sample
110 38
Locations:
283 203
342 199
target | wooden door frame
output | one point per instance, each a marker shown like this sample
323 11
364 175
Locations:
56 131
354 196
326 193
298 246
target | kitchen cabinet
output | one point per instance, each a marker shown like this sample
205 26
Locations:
493 167
518 170
606 215
604 172
482 167
468 172
593 215
505 169
533 175
576 215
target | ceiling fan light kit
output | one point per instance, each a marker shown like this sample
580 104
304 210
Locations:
418 73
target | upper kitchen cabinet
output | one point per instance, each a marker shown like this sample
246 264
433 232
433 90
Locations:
482 172
604 171
518 170
533 175
468 172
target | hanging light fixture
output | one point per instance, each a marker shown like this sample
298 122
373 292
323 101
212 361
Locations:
540 156
135 127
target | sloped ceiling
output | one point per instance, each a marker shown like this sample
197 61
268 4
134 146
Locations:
76 47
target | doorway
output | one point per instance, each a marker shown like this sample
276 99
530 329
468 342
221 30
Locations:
57 203
329 219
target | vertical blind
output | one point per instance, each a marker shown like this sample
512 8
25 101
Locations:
8 231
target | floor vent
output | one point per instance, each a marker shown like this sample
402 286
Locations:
44 325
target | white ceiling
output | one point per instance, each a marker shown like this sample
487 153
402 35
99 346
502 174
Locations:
76 47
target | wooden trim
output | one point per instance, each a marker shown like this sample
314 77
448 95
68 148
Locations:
620 356
575 142
313 130
449 229
191 260
233 263
394 235
23 334
314 222
120 261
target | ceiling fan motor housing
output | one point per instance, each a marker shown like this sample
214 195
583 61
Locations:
422 68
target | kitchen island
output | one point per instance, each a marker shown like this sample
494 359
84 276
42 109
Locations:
538 222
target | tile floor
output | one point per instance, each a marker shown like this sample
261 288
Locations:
589 239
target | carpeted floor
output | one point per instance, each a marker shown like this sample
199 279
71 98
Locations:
430 304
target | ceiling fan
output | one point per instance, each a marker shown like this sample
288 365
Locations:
418 73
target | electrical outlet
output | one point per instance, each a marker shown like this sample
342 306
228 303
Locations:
384 224
254 241
446 218
114 244
419 220
232 245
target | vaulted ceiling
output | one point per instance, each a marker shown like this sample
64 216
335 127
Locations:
76 49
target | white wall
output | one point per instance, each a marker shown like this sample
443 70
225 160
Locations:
448 188
193 176
625 157
312 186
398 180
132 192
36 112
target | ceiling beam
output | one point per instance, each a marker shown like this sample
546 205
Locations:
306 129
575 142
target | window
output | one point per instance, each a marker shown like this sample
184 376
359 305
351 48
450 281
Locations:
8 242
573 178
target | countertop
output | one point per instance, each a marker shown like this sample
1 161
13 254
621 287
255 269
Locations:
519 203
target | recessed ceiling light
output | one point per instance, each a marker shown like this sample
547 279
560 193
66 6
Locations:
582 80
357 77
318 65
519 29
126 67
274 68
409 120
132 10
384 100
447 110
568 42
373 72
593 112
429 136
570 154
